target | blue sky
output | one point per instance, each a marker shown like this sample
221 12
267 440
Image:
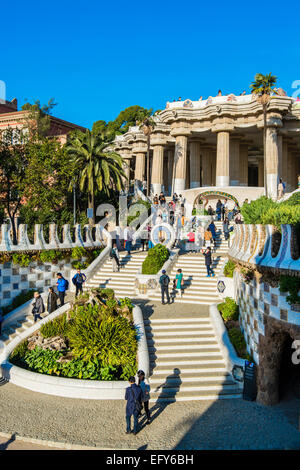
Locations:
97 58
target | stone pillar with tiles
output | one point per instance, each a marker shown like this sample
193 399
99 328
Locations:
157 169
222 163
271 163
234 162
194 164
170 155
243 164
180 158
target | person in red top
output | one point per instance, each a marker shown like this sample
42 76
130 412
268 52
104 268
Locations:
191 237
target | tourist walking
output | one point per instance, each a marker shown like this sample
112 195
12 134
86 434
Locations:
238 218
207 237
128 239
208 262
226 228
37 307
145 393
78 281
179 281
219 209
164 281
280 189
133 396
212 229
51 300
62 285
115 258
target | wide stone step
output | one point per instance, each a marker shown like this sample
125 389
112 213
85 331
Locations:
183 346
190 376
193 333
189 352
176 385
171 321
201 358
199 395
179 328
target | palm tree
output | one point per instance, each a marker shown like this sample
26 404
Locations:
147 125
96 167
263 86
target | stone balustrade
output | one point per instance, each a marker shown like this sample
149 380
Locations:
85 236
253 244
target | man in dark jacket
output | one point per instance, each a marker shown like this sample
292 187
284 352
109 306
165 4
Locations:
208 262
78 281
164 281
38 307
133 395
51 301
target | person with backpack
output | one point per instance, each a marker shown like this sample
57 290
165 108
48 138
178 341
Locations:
78 281
38 307
164 281
133 396
62 287
145 393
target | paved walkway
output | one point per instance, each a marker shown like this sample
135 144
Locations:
221 424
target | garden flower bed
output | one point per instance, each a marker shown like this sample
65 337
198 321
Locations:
95 340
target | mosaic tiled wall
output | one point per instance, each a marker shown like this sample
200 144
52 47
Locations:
257 300
15 279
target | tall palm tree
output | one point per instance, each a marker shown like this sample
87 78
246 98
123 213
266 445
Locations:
262 87
147 125
96 167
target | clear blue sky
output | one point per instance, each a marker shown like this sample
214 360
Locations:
99 57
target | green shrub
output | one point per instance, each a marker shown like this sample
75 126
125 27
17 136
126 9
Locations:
20 351
229 268
229 310
106 293
111 339
5 257
78 252
253 212
22 259
238 341
281 214
48 256
126 302
79 264
156 258
291 285
56 327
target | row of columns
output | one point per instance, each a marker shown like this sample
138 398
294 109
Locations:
227 166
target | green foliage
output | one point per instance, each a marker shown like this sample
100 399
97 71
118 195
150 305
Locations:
106 293
20 299
20 351
253 212
238 341
229 268
229 310
78 252
5 257
22 259
109 338
281 214
126 302
156 258
291 285
48 256
56 327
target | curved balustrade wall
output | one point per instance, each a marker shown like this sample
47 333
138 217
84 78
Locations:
252 244
83 236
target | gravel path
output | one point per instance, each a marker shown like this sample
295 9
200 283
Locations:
221 424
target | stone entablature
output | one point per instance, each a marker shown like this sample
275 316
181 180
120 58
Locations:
218 141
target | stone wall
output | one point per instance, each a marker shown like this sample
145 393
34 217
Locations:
15 279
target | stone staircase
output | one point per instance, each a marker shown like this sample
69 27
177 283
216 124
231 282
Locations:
186 361
123 281
197 286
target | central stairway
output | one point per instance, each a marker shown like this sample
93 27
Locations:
121 282
186 361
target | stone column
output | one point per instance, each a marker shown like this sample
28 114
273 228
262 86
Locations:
280 147
261 179
157 169
222 164
180 163
139 173
170 155
194 164
234 162
284 162
206 167
243 164
272 162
